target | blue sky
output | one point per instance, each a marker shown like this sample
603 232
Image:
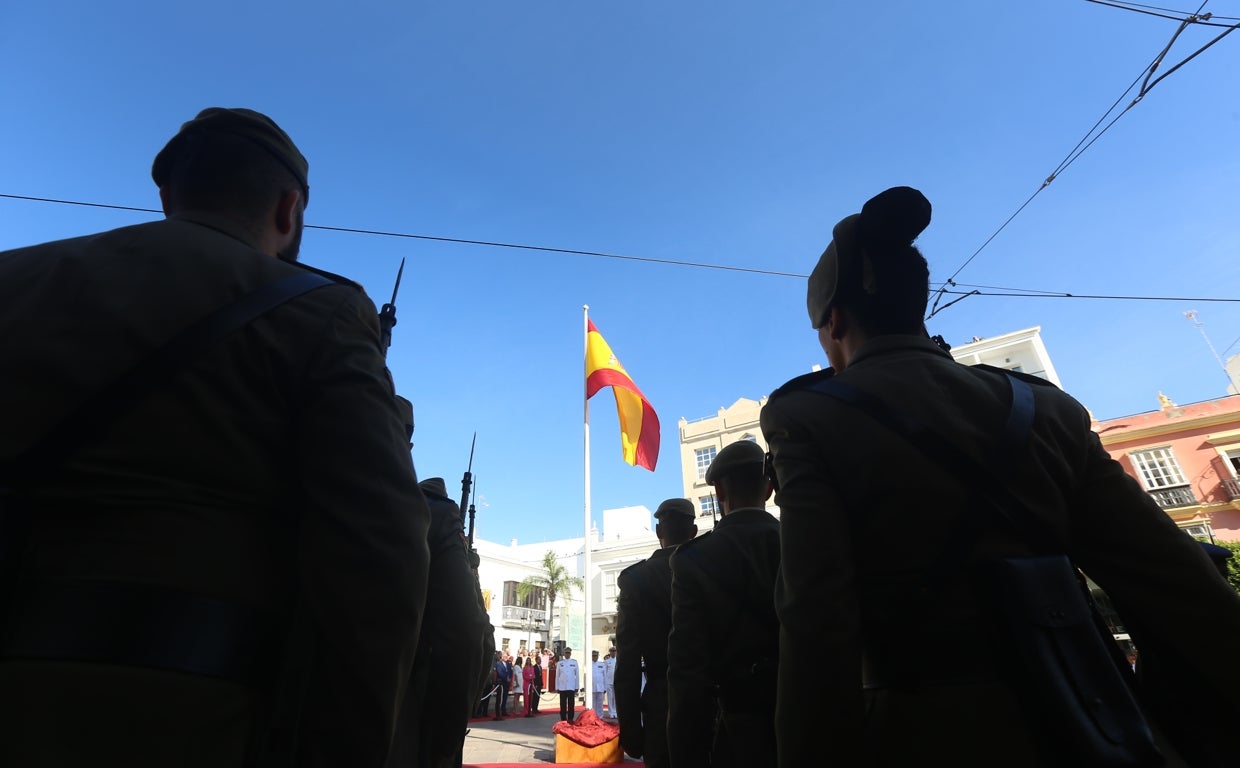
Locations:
726 133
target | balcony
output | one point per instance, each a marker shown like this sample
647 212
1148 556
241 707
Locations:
514 616
1232 486
1169 498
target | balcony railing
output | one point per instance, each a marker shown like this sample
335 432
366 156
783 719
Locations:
1232 486
1168 498
514 615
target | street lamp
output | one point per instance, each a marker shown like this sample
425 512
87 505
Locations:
530 625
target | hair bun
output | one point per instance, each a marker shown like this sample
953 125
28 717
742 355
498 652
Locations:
895 217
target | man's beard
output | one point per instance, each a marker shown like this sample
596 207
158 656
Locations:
290 253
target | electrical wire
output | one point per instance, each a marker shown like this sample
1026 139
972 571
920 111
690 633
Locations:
457 240
944 287
1206 21
1094 134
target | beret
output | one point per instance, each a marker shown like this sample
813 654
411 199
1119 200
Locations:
743 454
247 124
673 509
891 219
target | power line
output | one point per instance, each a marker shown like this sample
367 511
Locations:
456 240
1177 15
1016 292
1094 133
944 287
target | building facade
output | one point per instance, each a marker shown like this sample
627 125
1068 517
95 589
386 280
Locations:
1188 459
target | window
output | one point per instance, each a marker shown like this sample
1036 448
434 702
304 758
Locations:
708 506
703 456
536 599
749 438
609 585
1199 531
1158 468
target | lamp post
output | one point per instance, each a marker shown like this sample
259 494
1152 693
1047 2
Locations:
530 625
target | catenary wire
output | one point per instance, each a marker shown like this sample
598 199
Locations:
457 240
944 287
1090 137
1205 21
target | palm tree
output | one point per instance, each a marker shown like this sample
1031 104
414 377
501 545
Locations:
554 580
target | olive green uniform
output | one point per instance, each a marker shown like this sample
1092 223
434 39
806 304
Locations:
903 674
270 473
721 654
443 687
643 620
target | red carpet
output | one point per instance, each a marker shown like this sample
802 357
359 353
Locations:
560 765
542 712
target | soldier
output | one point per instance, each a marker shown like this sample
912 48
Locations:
448 666
644 618
872 527
254 511
721 654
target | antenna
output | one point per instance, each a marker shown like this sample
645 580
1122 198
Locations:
1195 320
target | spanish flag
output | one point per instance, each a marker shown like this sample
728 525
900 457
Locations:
639 425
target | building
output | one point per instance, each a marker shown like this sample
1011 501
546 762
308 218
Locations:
1188 459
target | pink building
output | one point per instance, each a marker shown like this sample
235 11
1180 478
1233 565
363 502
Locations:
1188 459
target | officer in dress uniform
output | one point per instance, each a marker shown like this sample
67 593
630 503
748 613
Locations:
721 654
643 620
234 565
567 681
867 519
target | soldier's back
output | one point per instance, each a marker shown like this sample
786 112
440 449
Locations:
203 495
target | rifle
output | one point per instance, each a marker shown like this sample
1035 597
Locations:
387 315
466 482
470 537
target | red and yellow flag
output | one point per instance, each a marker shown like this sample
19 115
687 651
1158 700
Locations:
639 425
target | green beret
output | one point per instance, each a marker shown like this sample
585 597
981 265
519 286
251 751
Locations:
435 486
891 219
247 124
675 509
742 455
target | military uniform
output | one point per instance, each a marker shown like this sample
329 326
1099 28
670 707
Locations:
721 653
269 472
902 671
443 687
643 619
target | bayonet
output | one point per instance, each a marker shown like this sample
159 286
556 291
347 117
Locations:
387 315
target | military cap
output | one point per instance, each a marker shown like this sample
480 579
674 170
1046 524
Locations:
435 486
674 509
891 218
247 124
744 454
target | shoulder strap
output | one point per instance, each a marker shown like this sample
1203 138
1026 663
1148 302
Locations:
960 465
109 402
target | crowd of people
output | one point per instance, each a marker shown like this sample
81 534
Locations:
215 550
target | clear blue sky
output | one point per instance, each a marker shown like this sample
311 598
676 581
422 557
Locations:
729 133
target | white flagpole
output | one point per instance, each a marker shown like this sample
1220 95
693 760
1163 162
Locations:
584 655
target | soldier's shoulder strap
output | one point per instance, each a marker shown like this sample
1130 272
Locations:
803 382
1028 378
335 278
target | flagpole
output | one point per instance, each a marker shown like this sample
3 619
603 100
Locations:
589 623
